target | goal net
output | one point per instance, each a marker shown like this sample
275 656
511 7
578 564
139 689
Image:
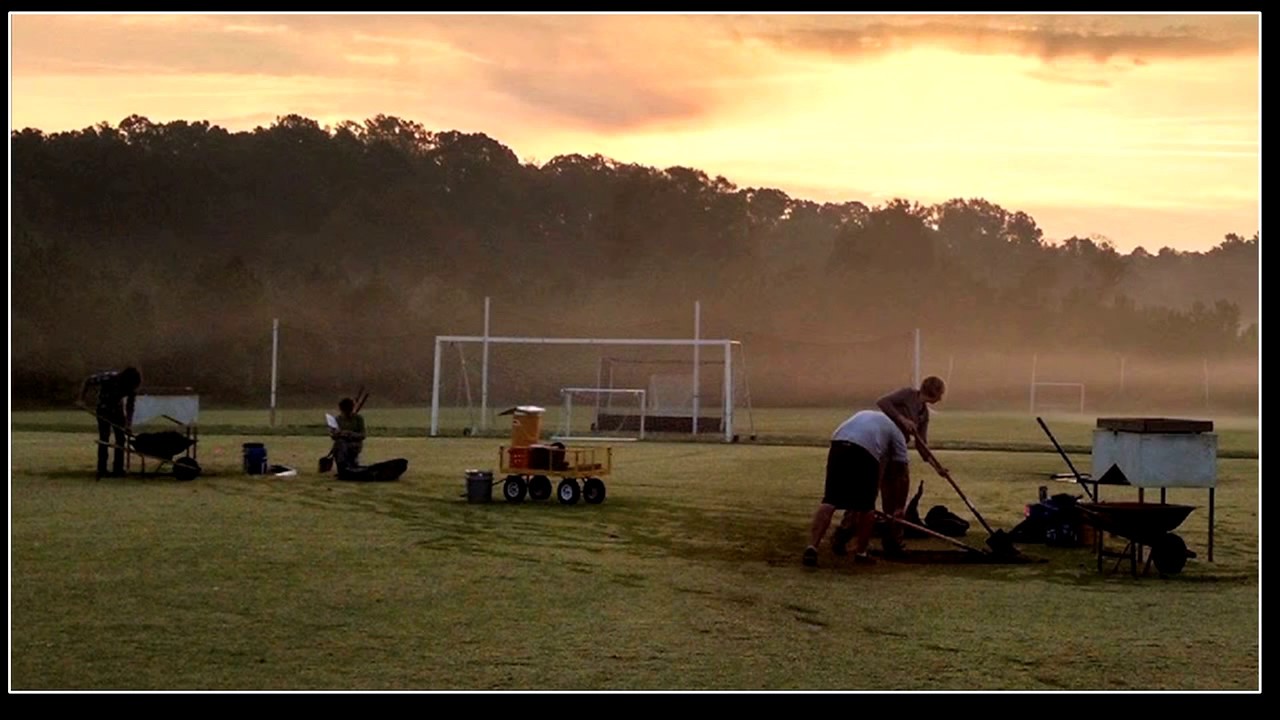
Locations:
1057 397
612 384
602 413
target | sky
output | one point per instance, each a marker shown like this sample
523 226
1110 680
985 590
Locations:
1142 129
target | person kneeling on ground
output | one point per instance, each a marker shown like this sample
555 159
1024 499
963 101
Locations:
348 438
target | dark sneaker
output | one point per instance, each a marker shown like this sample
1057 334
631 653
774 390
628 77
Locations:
863 559
840 540
810 557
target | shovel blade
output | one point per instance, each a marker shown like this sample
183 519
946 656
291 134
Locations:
1001 544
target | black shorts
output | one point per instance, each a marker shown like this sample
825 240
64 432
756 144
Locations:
853 478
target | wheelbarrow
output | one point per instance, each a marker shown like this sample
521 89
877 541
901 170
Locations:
1142 524
161 447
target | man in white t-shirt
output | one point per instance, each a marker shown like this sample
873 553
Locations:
863 448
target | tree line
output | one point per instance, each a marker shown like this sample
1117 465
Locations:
173 245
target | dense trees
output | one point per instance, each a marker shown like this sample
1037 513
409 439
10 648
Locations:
174 245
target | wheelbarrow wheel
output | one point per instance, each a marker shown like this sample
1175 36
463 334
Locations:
185 468
593 491
513 489
1170 554
539 487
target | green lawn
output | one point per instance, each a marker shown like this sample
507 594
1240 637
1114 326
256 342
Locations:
1237 436
687 577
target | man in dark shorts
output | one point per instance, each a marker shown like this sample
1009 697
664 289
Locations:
861 449
117 393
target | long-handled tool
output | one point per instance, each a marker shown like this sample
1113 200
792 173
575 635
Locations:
931 533
1079 479
998 540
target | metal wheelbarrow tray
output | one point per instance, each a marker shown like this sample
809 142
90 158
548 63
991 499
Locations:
1143 524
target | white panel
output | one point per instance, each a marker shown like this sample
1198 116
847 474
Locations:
1156 460
183 408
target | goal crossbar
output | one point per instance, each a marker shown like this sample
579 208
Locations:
726 344
568 392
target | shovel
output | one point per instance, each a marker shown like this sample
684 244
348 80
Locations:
998 540
931 533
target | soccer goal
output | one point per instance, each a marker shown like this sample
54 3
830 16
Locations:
585 417
1057 397
1054 396
515 370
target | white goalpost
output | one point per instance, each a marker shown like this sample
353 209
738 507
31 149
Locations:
1074 390
724 345
567 429
1076 393
696 344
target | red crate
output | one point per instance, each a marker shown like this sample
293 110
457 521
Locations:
518 457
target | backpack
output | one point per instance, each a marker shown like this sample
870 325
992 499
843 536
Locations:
943 521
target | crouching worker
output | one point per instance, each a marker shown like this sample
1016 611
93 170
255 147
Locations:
348 437
862 449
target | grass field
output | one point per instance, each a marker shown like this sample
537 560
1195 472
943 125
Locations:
686 578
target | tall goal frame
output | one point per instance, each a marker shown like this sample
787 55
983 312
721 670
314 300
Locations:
726 345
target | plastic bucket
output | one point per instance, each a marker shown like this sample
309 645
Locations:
479 486
255 459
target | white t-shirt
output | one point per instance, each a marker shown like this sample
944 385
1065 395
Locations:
875 432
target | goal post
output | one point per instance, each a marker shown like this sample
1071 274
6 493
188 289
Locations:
1060 394
725 346
1073 390
599 431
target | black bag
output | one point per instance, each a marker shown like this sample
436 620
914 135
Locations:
943 521
386 471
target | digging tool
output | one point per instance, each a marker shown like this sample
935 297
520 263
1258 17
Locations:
998 540
931 533
1079 479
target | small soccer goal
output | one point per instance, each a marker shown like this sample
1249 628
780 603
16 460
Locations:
591 413
1062 397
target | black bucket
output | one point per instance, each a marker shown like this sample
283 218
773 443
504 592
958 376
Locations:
479 486
255 459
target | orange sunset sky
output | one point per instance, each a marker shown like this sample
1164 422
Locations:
1144 129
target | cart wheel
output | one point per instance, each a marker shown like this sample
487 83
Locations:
185 469
1170 555
539 487
593 491
513 489
568 491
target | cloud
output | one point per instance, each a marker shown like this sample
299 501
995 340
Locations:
1068 78
1045 37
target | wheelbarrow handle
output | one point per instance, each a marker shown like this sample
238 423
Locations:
121 428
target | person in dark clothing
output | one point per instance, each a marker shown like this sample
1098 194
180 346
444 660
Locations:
117 394
348 438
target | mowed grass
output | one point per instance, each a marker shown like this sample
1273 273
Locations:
686 578
960 430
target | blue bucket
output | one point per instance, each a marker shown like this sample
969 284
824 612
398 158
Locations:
255 459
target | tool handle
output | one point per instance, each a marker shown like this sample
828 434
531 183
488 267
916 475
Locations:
1063 453
960 492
